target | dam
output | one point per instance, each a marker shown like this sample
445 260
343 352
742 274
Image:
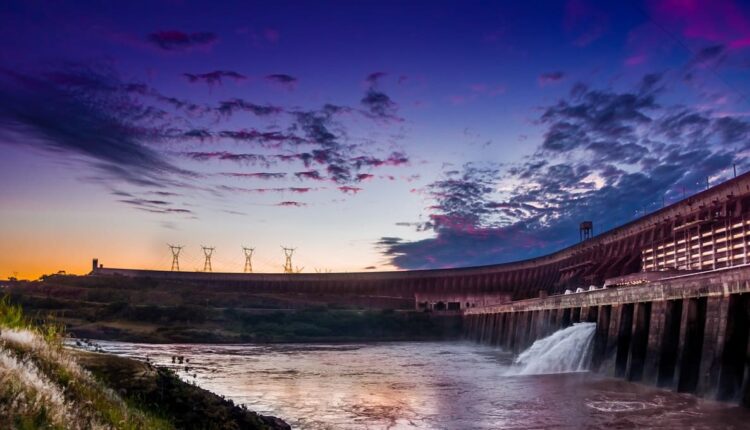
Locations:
669 293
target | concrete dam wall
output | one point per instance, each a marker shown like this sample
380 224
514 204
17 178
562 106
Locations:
688 333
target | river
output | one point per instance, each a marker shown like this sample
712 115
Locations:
425 385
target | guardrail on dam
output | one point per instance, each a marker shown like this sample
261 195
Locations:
686 332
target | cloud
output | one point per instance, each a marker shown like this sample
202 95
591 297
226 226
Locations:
247 158
291 203
297 190
229 107
175 40
374 78
379 105
550 78
309 174
346 189
282 79
256 175
86 112
723 22
214 78
607 156
154 206
267 139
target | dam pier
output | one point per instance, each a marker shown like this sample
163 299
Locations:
686 332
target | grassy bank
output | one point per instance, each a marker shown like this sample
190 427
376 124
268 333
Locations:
46 386
146 310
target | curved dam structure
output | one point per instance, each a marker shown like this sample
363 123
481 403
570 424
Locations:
669 293
706 231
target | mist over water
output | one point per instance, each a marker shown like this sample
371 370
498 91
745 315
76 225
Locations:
566 350
434 385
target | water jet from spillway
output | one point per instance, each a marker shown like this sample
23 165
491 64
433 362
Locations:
566 350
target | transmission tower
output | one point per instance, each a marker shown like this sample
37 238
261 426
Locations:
288 252
175 256
207 251
248 259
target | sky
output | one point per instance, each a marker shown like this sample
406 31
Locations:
368 135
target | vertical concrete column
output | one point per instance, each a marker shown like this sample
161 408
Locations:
528 330
500 328
466 326
713 344
538 326
554 320
608 359
669 350
546 323
486 321
518 327
691 344
600 337
624 337
510 334
495 329
480 322
639 343
655 336
735 358
503 329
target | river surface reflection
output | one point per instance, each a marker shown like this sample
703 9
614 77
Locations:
425 385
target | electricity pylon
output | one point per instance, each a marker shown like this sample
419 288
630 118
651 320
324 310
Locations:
288 252
248 259
175 256
207 251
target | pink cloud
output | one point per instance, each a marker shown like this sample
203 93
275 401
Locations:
720 21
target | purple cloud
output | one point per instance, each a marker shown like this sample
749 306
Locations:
550 78
214 78
283 79
175 40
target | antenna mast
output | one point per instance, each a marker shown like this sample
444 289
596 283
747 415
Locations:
207 251
175 256
248 259
288 252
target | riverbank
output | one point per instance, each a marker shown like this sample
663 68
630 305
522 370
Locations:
44 385
162 393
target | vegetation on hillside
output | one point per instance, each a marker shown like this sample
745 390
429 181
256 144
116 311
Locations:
148 310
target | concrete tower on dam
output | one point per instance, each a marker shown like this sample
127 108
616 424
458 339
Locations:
706 231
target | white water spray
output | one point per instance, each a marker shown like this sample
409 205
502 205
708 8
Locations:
566 350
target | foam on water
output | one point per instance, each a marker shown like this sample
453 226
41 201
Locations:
566 350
